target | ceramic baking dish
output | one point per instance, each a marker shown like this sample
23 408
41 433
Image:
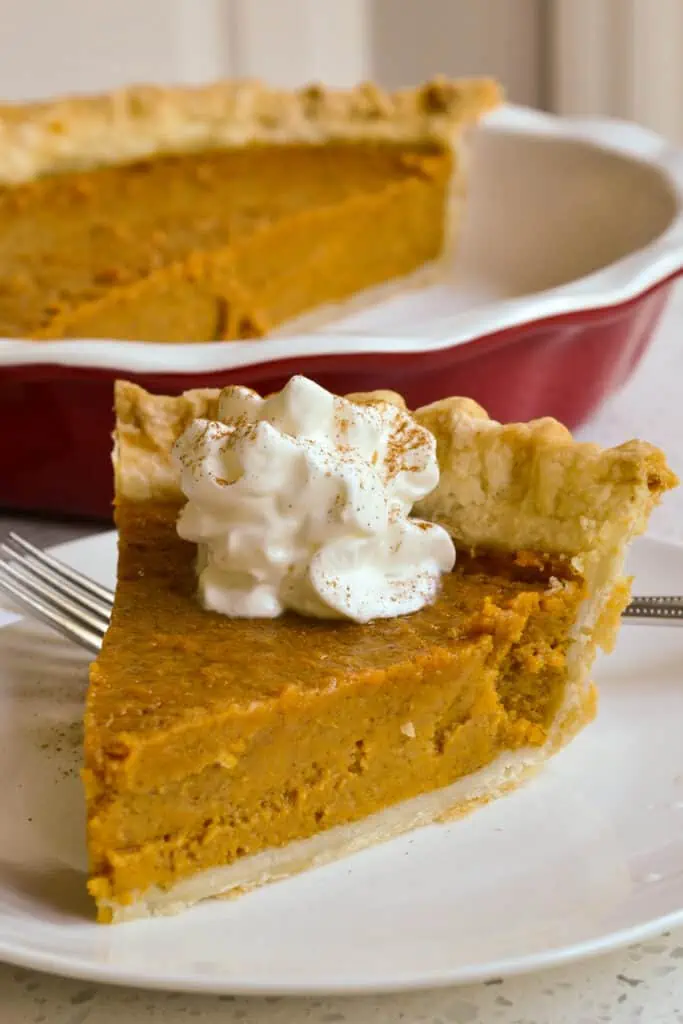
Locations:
573 238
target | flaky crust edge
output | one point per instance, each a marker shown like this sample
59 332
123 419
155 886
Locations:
135 122
514 486
531 486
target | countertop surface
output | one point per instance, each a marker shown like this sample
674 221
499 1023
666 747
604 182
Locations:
641 984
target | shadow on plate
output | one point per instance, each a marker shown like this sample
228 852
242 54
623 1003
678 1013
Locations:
52 890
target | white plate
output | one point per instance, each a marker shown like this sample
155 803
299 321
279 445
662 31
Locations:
587 857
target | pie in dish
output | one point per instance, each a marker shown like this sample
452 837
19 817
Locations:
223 753
224 211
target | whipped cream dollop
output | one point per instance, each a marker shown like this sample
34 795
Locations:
301 501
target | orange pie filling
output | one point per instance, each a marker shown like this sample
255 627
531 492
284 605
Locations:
219 738
222 244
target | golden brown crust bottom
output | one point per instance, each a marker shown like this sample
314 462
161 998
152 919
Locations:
127 124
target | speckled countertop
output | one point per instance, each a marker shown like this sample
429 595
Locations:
643 984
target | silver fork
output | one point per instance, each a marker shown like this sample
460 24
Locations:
80 609
54 593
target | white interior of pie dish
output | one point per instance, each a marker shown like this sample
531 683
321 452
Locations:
563 216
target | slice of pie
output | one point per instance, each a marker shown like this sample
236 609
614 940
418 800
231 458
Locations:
222 753
224 211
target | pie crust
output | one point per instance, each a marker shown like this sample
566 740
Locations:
132 123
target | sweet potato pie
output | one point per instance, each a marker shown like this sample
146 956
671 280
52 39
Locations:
222 753
224 211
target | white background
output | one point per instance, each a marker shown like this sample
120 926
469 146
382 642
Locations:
619 57
52 46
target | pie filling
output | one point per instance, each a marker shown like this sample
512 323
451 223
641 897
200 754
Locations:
300 725
209 245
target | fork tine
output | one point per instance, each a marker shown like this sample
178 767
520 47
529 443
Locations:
659 600
662 612
72 590
39 610
64 570
55 598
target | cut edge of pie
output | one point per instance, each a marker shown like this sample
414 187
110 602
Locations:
503 488
89 133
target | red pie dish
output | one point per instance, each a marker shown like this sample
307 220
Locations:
572 241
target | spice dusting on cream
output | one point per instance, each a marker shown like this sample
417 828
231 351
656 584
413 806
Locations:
302 500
